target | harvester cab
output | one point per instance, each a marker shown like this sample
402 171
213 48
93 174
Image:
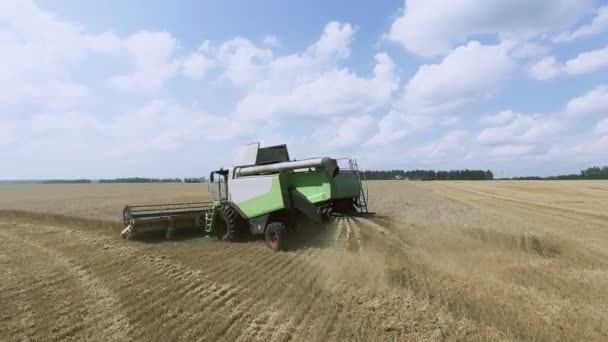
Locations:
263 193
218 184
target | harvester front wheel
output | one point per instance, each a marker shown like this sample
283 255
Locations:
230 227
275 236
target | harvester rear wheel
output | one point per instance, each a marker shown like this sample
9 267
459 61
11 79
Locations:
275 236
231 227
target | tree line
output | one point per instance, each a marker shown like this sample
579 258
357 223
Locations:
429 174
120 180
141 180
594 172
65 181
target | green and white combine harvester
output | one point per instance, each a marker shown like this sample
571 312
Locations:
263 193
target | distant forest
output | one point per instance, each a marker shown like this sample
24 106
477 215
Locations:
430 175
115 180
141 180
595 172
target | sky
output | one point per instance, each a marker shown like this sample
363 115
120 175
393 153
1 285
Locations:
112 88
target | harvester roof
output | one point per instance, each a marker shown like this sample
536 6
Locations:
253 154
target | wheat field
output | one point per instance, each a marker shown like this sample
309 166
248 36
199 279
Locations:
463 261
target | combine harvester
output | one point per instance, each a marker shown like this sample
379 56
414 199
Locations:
263 193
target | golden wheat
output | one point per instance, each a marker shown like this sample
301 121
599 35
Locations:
441 261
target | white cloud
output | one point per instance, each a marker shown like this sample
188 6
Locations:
334 42
272 41
197 64
9 133
312 83
244 62
598 24
45 95
152 56
469 72
583 150
105 43
39 54
396 126
144 80
521 129
501 118
583 63
149 49
545 69
57 112
587 62
512 136
29 35
593 102
343 133
301 83
450 120
602 126
153 126
452 145
145 138
527 49
510 150
331 92
432 27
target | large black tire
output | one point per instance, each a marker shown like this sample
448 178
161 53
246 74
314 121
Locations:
231 226
276 236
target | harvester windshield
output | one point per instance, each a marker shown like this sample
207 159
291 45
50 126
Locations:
218 184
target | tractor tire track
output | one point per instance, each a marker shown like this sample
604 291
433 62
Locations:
282 286
108 318
260 292
208 302
256 295
328 328
549 210
315 294
244 274
13 295
301 301
158 263
178 278
583 225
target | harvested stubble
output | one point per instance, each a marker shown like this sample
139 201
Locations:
443 260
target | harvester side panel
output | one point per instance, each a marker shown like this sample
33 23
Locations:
257 195
345 185
315 186
319 186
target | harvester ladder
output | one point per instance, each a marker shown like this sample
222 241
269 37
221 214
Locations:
363 194
209 218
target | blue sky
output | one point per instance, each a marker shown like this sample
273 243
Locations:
171 89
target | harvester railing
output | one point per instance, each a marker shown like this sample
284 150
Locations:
363 187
